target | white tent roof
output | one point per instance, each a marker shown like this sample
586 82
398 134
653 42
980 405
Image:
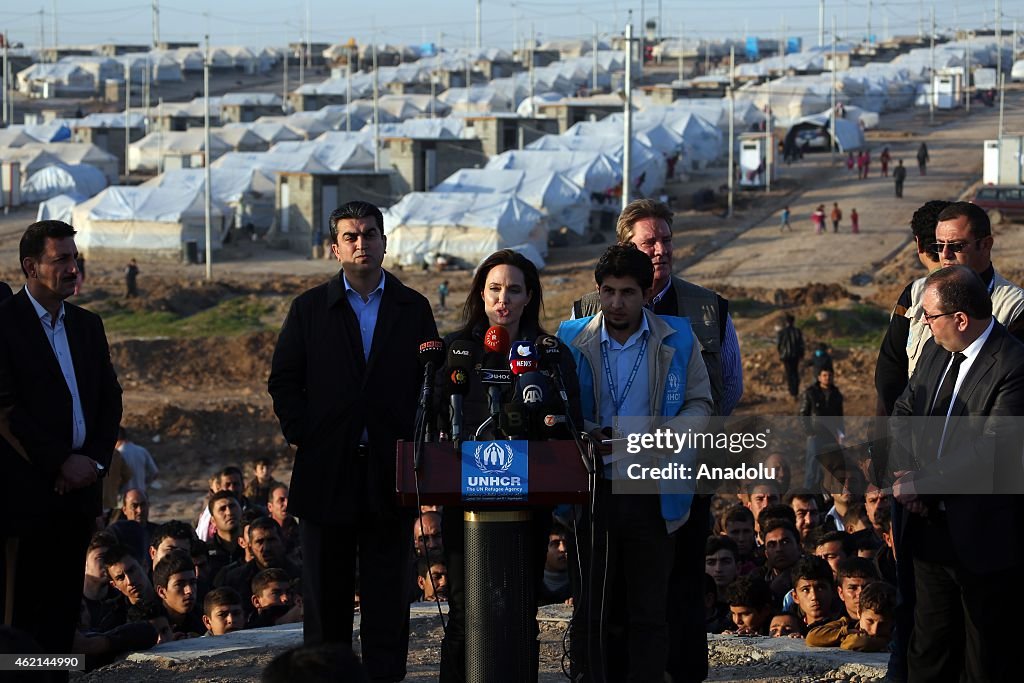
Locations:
647 163
265 99
270 131
113 120
229 184
448 127
334 154
58 179
58 208
593 171
273 161
157 204
182 142
14 136
849 136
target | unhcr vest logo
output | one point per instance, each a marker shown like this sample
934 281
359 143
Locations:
672 383
495 470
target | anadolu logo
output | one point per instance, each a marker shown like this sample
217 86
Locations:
493 458
532 394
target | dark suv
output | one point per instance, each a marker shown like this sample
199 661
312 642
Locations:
1002 202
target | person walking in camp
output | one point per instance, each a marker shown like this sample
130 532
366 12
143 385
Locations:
861 164
850 162
784 225
899 174
854 222
885 158
442 292
922 159
836 216
790 344
818 218
131 277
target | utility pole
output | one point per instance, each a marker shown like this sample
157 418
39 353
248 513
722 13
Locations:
7 96
42 34
156 23
642 47
627 128
869 24
680 50
206 132
1001 93
821 23
127 110
309 37
348 93
302 63
56 40
284 84
999 40
146 84
533 44
593 86
832 117
732 129
931 69
769 150
479 27
376 117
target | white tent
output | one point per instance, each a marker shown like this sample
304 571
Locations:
403 107
57 179
37 155
57 130
136 119
648 168
593 171
849 136
527 250
272 132
273 161
449 127
334 154
152 152
463 225
59 208
248 191
561 200
477 99
14 136
152 219
241 139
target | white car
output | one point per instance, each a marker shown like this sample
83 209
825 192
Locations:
1017 72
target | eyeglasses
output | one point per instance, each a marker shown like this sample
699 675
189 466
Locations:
956 247
929 318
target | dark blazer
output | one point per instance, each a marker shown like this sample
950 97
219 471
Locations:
33 388
5 291
325 394
981 458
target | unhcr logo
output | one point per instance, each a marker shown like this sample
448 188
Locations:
493 458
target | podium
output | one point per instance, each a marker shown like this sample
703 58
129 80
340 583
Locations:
499 591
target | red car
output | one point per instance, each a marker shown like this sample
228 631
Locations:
1002 202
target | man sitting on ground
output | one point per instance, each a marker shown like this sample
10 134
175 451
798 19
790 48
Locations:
273 600
224 547
267 552
814 591
854 575
129 579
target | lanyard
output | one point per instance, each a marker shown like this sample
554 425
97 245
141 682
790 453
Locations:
632 375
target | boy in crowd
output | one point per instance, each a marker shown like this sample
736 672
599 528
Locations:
775 511
432 579
222 612
257 489
738 524
870 632
717 617
721 560
785 624
757 495
554 586
854 575
856 519
174 579
781 552
272 601
807 511
173 535
833 547
885 558
813 591
750 603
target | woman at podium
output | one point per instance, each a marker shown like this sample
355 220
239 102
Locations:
501 313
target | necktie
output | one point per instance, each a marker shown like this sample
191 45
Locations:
940 408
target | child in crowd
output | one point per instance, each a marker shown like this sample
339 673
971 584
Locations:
750 603
855 573
721 560
738 524
222 612
885 559
813 591
257 489
272 599
717 617
856 518
785 624
869 633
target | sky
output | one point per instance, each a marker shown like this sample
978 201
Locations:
452 22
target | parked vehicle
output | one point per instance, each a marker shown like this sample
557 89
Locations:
1002 202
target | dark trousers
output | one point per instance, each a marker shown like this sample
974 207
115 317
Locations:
49 568
964 623
688 654
453 647
792 366
620 626
905 593
899 188
383 548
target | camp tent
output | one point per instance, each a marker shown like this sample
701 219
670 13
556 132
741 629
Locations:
462 225
56 179
59 208
593 171
247 191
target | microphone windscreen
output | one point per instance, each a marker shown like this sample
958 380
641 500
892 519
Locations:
549 349
458 381
432 351
462 354
534 389
496 339
522 357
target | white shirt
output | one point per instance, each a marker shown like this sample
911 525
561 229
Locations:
57 335
970 355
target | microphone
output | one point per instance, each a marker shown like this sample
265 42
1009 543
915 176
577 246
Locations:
522 357
550 352
460 362
495 372
431 355
533 391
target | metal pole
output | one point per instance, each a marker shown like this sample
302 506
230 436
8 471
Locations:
931 84
156 23
732 147
968 78
348 93
146 84
869 23
627 128
302 63
284 85
376 118
309 37
821 23
593 87
533 44
832 117
1001 93
680 51
42 34
479 11
4 113
56 40
127 110
999 38
209 189
769 147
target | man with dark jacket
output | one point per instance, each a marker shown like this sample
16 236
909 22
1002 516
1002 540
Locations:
822 408
345 383
790 344
60 406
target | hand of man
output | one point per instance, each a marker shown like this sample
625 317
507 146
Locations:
904 491
77 472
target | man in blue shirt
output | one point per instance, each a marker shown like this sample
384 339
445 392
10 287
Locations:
637 372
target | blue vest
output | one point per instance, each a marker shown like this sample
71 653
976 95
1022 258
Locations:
674 506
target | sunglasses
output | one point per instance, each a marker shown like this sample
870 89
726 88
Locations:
936 248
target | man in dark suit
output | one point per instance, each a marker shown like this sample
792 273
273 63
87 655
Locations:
958 466
60 404
5 291
345 383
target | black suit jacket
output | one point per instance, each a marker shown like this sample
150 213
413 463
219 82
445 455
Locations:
325 394
38 404
980 469
5 291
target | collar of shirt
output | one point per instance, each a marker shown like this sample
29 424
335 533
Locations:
350 290
633 338
660 295
970 354
44 315
834 514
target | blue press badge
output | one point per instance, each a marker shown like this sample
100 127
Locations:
495 470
